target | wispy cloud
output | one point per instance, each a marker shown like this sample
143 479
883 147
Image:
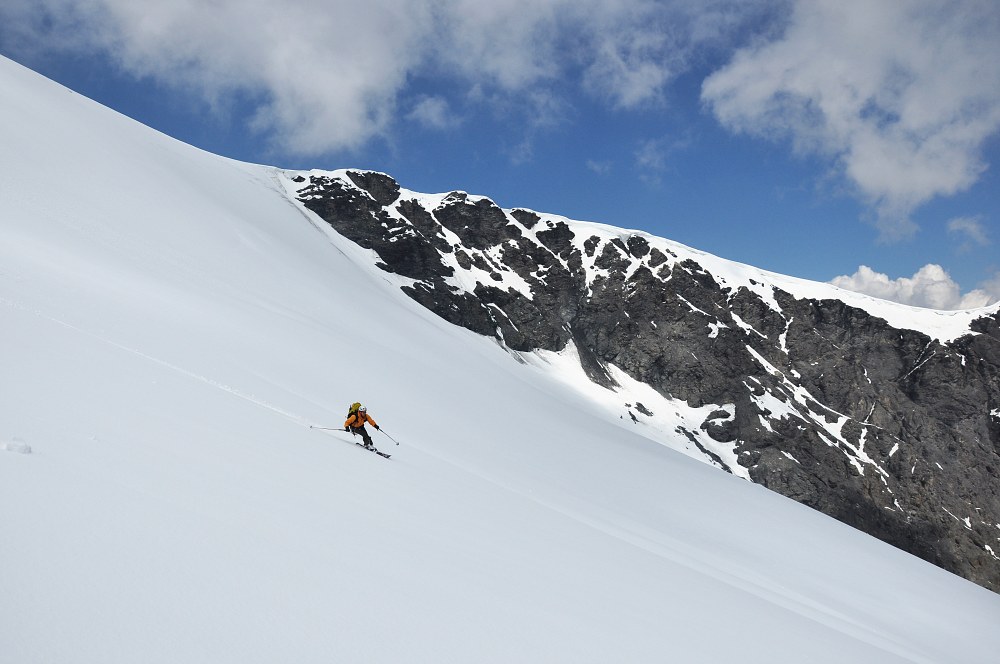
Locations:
521 152
991 287
651 155
434 113
654 156
651 161
902 95
970 228
627 71
931 286
599 167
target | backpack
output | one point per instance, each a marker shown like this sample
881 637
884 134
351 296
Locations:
354 408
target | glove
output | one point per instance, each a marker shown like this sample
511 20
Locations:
377 428
347 428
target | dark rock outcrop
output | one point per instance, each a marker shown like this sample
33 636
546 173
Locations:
885 429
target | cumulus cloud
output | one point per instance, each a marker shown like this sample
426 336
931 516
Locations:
326 75
309 65
901 95
930 287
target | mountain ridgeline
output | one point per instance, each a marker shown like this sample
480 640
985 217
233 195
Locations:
817 396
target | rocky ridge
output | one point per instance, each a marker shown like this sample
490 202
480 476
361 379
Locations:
884 417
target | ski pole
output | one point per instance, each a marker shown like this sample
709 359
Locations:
390 437
340 429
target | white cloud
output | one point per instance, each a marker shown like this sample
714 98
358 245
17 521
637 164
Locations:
637 48
311 66
899 94
970 227
328 75
931 287
991 287
655 155
520 153
599 167
902 94
651 155
651 160
434 112
628 71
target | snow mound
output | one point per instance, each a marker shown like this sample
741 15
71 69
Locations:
15 445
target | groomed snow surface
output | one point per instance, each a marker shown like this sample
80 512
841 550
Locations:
172 324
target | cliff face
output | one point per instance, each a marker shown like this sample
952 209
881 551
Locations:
881 416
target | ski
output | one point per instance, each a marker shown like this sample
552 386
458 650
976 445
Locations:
376 451
370 449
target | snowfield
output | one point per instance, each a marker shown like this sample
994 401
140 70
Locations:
172 323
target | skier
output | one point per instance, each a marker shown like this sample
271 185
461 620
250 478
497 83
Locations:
356 423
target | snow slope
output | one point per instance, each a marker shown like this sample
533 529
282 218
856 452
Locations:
170 326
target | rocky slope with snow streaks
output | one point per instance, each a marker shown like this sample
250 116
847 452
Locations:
880 415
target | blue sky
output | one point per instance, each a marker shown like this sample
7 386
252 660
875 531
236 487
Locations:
822 139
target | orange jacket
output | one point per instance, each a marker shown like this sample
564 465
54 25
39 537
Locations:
358 419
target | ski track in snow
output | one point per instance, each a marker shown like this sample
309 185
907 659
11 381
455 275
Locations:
678 552
163 363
